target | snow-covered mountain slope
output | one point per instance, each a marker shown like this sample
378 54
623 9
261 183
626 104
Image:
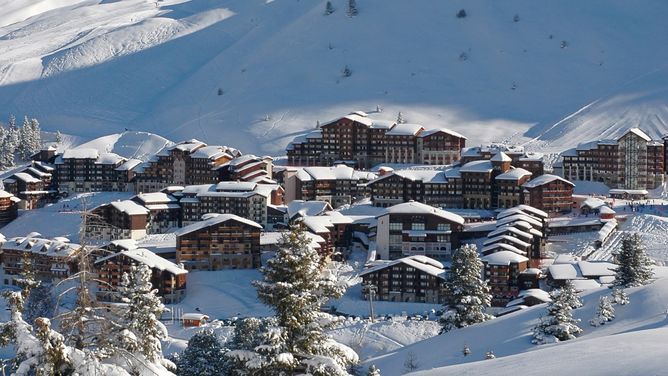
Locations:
93 67
129 144
509 337
640 103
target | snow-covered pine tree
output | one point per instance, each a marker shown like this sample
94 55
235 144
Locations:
619 296
329 8
490 355
466 351
373 371
35 143
295 285
467 294
204 356
14 133
635 267
25 136
40 303
142 330
559 325
352 8
59 137
604 313
569 295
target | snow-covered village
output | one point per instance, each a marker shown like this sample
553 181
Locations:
333 188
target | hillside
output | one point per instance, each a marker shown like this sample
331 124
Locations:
92 67
635 335
129 144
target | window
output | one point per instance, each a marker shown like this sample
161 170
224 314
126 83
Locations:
417 226
396 226
443 227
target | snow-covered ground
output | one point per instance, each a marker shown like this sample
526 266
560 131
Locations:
254 73
617 348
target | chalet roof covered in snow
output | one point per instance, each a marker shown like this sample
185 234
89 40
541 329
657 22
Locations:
592 203
640 133
5 194
585 284
405 129
513 241
307 208
235 186
156 198
514 174
519 218
212 152
510 230
35 244
563 272
148 258
432 131
607 229
268 238
595 269
414 207
477 166
532 211
213 219
501 157
25 177
338 172
423 263
427 176
531 156
129 207
110 159
497 247
129 165
503 258
545 179
81 153
188 146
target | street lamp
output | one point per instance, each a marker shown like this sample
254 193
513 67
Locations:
371 291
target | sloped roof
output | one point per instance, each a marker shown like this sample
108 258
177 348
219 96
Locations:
414 207
432 131
81 153
545 179
503 258
148 258
501 157
639 132
129 207
477 166
405 129
215 219
514 174
423 263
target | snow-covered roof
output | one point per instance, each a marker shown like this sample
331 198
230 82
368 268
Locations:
595 269
533 211
585 284
307 208
125 243
37 173
275 238
501 157
423 263
536 293
519 218
213 219
129 165
510 230
531 156
414 207
26 177
515 241
514 174
110 159
235 186
148 258
477 166
639 132
35 244
562 272
194 316
156 198
592 203
405 129
211 152
426 176
503 258
81 153
129 207
432 131
606 230
5 194
628 191
188 146
319 224
545 179
502 247
338 172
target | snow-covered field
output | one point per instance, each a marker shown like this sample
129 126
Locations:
254 73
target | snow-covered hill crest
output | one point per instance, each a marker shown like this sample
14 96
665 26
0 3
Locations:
254 73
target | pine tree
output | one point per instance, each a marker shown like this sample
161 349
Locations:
400 118
204 356
373 371
35 143
346 72
559 325
352 8
635 267
604 313
466 351
141 318
619 296
490 355
296 284
329 8
25 135
40 303
59 137
468 295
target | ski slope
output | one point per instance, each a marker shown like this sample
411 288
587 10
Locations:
94 67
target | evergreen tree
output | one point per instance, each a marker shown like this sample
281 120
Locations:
329 8
59 137
604 313
468 295
204 356
373 371
25 136
296 284
35 143
352 8
39 304
400 118
559 325
141 318
635 267
346 72
490 355
619 296
466 351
